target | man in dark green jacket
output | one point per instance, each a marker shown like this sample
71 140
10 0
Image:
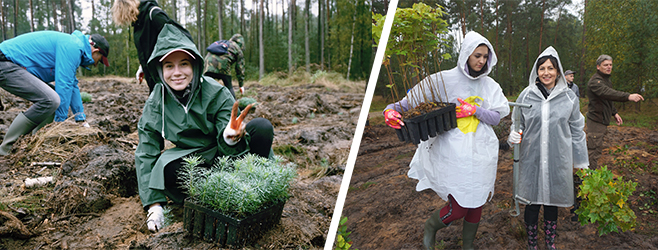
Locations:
601 107
194 113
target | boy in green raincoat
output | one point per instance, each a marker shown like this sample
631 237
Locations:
192 111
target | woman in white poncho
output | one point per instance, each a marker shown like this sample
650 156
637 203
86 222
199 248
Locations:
460 164
553 145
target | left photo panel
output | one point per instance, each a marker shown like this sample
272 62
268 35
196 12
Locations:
176 124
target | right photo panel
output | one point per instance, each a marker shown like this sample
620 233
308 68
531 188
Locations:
504 125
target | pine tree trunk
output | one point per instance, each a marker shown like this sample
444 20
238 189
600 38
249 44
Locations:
321 28
71 16
582 63
2 19
306 46
174 15
55 21
541 24
15 17
261 47
219 18
32 17
290 21
349 64
242 24
199 25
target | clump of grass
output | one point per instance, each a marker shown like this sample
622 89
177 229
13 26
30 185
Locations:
238 187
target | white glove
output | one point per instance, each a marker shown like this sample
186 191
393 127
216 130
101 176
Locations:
139 75
229 132
85 124
242 90
155 218
514 137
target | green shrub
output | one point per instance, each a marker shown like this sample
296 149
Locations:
605 201
238 187
86 97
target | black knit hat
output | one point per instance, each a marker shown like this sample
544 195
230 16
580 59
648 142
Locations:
101 43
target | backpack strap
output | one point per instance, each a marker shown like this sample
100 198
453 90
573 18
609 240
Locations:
151 12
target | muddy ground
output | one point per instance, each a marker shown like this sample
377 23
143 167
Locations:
385 212
93 203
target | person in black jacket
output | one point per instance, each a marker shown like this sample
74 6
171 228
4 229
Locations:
147 18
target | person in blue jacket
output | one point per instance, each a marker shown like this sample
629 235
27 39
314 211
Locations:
29 62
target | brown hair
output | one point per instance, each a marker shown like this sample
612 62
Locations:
125 11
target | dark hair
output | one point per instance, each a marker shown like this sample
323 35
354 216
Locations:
543 59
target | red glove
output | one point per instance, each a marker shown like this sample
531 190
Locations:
465 110
392 119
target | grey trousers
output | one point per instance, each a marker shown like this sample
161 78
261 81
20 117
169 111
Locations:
18 81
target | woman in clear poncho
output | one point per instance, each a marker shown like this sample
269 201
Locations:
460 164
553 145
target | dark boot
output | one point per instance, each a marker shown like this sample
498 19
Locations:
468 234
432 225
550 227
20 126
531 229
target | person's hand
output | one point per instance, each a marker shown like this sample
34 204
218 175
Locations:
618 120
392 119
139 75
514 137
635 97
155 218
235 129
242 90
465 110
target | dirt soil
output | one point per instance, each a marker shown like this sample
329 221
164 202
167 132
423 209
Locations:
92 203
385 212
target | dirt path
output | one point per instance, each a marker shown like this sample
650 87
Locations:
385 212
93 202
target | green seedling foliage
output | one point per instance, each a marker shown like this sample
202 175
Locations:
244 101
238 187
86 97
343 242
604 201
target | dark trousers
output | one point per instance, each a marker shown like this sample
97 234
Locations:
531 213
595 133
261 136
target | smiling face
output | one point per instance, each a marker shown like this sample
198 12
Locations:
605 67
479 58
177 70
547 74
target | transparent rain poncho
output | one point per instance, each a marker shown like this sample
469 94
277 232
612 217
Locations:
456 163
553 141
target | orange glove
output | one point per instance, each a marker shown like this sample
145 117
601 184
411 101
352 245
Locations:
465 110
393 119
236 129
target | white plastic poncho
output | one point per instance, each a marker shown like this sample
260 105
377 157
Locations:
455 163
553 141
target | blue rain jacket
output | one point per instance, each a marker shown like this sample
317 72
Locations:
53 56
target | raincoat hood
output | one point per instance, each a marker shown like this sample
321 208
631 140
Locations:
171 38
87 59
560 81
237 38
471 41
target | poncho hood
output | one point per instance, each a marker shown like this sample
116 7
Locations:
561 82
471 41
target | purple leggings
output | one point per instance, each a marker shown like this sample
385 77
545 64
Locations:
454 211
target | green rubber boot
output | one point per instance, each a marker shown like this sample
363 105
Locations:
432 225
20 126
468 234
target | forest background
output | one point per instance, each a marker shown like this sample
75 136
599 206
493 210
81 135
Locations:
580 31
311 35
